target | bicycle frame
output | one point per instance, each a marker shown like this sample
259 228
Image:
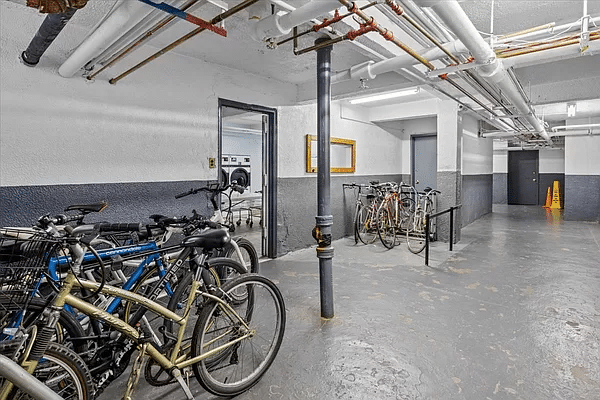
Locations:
176 362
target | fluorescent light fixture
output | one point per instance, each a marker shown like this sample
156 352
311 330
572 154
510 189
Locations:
571 109
385 96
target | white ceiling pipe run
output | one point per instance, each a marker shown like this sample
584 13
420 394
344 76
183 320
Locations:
451 13
136 32
540 34
558 53
582 132
575 127
277 25
370 69
123 18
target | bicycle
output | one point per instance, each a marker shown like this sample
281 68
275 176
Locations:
364 221
415 235
223 321
393 215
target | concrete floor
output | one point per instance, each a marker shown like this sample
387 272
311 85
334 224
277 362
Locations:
512 313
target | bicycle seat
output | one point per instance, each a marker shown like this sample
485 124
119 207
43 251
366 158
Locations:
215 238
87 208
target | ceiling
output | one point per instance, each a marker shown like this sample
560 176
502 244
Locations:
558 81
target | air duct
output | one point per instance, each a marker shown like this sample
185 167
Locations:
492 69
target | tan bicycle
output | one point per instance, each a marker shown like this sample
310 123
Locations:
235 339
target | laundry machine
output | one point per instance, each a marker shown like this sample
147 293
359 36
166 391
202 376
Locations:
236 167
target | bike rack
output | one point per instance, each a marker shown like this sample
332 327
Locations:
24 381
427 221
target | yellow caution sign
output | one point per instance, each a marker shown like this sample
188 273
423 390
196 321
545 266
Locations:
548 198
556 203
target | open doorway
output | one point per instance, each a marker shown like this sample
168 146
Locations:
247 156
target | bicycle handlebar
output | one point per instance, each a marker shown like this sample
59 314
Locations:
214 189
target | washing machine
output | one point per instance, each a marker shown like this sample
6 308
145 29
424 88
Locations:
236 167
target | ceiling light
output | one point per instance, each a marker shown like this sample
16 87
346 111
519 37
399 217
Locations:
571 109
385 96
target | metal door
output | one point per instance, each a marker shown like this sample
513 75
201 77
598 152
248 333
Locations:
424 161
523 177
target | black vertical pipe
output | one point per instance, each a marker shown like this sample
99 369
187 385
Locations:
49 30
427 239
324 219
451 227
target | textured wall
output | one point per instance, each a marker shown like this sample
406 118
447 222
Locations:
500 188
582 198
128 202
450 184
297 203
477 193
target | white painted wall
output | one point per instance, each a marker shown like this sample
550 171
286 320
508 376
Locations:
552 161
377 151
500 164
582 155
477 153
158 124
449 137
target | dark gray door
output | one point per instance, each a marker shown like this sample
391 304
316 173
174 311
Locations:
523 177
424 161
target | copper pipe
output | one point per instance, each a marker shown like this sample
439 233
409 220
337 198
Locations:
534 29
351 35
400 12
182 39
593 36
328 21
123 52
387 34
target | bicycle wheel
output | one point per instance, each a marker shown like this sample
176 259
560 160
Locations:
415 236
247 360
386 227
249 254
68 330
153 372
366 224
407 213
61 369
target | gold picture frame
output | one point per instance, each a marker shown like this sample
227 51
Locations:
342 156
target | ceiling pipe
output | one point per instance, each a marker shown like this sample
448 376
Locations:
276 25
149 22
126 15
455 18
575 127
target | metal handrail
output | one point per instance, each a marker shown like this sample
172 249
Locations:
25 381
427 222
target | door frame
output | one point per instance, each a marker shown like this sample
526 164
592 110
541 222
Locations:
412 155
271 162
510 161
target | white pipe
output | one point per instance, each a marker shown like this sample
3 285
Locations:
370 69
124 17
138 31
561 29
493 71
583 132
277 25
574 127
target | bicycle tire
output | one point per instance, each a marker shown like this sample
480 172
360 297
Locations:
68 329
61 369
366 224
385 227
415 241
249 254
264 311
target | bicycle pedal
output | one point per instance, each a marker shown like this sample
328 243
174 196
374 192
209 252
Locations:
184 386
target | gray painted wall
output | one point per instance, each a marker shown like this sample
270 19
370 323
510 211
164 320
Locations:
127 202
297 207
450 184
582 198
500 188
477 193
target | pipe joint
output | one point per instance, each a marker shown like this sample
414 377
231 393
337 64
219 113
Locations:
324 220
325 252
269 27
